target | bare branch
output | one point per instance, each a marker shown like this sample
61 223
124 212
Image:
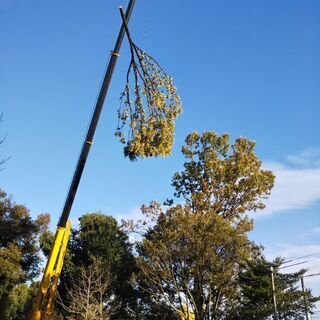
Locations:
90 295
4 160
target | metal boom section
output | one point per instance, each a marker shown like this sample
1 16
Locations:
48 287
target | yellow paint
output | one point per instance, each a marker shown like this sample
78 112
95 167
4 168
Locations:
185 314
44 302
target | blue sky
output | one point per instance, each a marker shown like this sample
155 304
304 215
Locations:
249 68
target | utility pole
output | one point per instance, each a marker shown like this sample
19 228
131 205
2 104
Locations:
275 317
304 298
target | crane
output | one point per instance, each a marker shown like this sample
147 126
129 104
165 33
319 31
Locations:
48 287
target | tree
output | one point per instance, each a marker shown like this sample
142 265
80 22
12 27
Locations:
19 250
90 295
191 261
191 255
98 238
255 297
225 181
11 274
148 309
17 228
20 301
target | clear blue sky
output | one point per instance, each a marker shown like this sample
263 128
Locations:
248 67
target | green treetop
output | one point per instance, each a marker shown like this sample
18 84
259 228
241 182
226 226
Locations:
224 180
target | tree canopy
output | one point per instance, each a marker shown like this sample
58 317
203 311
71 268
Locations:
191 260
19 249
226 180
191 255
99 238
254 300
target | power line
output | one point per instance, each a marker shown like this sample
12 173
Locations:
295 264
311 275
313 265
302 257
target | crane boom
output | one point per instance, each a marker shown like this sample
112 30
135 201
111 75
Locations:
48 287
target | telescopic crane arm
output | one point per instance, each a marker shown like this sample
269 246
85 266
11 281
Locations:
48 286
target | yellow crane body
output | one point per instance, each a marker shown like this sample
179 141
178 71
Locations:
48 287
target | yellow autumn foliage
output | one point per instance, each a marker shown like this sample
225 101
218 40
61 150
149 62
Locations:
149 107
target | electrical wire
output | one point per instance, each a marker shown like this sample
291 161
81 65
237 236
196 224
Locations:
295 264
302 257
311 275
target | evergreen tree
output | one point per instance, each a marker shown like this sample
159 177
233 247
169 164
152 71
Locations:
255 294
98 238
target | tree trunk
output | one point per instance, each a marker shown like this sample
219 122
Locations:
216 304
198 299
